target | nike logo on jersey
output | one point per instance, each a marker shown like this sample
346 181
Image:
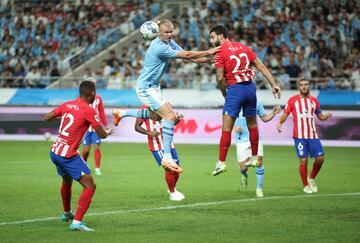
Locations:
207 128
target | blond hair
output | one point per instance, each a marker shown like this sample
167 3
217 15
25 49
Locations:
164 22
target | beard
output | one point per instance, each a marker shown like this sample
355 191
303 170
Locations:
305 93
216 43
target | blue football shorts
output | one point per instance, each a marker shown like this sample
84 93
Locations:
151 97
304 147
159 154
91 138
74 166
240 95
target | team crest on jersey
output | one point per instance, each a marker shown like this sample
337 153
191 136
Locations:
97 118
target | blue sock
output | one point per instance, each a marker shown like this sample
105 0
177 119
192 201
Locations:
168 134
259 176
144 114
244 172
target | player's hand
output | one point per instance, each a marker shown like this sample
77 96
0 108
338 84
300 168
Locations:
279 127
178 118
328 116
276 109
210 59
213 51
109 130
237 129
153 134
276 90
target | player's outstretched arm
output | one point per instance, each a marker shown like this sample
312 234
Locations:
267 74
49 116
268 117
283 118
197 54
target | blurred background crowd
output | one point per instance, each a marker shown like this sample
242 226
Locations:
318 40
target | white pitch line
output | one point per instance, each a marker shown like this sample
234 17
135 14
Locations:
186 206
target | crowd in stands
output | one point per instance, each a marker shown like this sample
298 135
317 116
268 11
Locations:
319 40
39 37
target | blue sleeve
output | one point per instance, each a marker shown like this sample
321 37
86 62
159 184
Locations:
176 45
260 110
165 51
318 111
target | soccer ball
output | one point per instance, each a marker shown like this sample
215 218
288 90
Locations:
149 30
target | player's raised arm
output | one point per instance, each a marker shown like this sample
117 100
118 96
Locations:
265 71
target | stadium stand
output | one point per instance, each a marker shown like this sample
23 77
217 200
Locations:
318 40
42 40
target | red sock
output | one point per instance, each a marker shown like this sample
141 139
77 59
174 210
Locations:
170 180
176 177
66 196
315 170
303 174
84 203
254 140
85 155
225 142
97 155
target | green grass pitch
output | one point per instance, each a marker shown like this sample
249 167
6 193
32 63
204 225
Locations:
131 203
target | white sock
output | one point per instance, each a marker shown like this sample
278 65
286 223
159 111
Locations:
76 222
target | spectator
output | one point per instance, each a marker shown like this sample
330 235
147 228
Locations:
32 77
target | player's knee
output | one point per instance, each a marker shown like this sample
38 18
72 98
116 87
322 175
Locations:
172 117
86 149
92 186
155 117
320 159
242 165
304 161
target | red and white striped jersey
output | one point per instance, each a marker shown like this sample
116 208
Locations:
236 60
303 110
99 108
76 117
155 143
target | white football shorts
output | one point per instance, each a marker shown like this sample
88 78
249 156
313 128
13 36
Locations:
243 150
151 97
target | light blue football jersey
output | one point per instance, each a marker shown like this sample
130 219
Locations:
157 57
241 122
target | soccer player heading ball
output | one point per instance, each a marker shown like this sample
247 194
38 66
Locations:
234 76
160 52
